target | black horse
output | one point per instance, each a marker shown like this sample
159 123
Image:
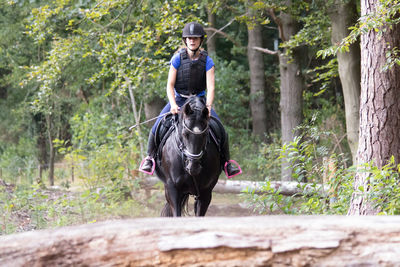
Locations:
190 162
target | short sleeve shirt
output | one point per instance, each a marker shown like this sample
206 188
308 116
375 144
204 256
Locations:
176 62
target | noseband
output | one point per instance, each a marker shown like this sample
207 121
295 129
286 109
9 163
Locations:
180 146
193 132
185 152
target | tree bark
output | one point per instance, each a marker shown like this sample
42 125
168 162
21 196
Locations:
379 107
52 151
342 17
152 108
42 147
212 241
291 101
136 113
257 81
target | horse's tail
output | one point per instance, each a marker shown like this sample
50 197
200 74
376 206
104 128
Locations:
167 211
185 205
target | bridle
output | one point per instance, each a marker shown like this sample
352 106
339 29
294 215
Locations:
186 155
185 151
181 147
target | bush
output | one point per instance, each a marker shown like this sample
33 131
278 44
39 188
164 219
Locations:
330 182
313 158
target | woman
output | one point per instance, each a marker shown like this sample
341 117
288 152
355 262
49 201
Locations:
191 73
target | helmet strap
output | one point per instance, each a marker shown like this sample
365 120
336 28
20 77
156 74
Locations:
197 49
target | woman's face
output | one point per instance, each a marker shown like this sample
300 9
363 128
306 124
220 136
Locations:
193 42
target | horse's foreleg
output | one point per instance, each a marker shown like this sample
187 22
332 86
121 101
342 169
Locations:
174 199
202 203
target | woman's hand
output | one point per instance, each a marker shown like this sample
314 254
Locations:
174 109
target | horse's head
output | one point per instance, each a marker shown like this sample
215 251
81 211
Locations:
194 130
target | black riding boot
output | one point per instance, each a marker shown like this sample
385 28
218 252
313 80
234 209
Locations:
230 168
148 163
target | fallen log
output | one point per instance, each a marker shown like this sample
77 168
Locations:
236 186
212 241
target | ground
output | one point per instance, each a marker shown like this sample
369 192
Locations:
24 219
228 205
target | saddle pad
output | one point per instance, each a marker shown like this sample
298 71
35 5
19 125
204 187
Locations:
167 126
163 128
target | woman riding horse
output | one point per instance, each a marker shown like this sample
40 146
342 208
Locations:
191 73
189 163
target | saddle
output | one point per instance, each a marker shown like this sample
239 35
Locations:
166 127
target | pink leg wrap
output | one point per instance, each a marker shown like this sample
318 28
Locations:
152 169
234 162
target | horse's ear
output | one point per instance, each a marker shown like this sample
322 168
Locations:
187 110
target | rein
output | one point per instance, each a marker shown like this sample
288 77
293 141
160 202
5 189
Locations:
185 155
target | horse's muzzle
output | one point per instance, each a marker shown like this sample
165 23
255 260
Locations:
193 167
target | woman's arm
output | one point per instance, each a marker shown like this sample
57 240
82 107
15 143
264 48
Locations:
170 89
210 88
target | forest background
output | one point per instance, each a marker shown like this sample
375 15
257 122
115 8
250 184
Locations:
75 74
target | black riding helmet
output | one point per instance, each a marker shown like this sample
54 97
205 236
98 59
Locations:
193 29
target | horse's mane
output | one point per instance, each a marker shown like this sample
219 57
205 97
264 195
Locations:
195 103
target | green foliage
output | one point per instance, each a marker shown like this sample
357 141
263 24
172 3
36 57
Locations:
381 20
308 156
267 160
29 208
18 162
330 182
73 72
231 101
382 187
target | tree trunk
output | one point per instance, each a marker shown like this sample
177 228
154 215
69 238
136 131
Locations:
211 241
291 101
379 107
136 114
257 81
236 187
344 16
52 151
211 42
153 108
42 156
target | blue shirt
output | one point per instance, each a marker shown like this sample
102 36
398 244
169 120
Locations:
176 63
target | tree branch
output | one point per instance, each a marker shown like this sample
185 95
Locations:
223 34
265 50
279 23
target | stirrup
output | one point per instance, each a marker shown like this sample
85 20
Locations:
153 166
226 171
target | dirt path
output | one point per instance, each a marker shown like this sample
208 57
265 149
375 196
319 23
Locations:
226 205
229 205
